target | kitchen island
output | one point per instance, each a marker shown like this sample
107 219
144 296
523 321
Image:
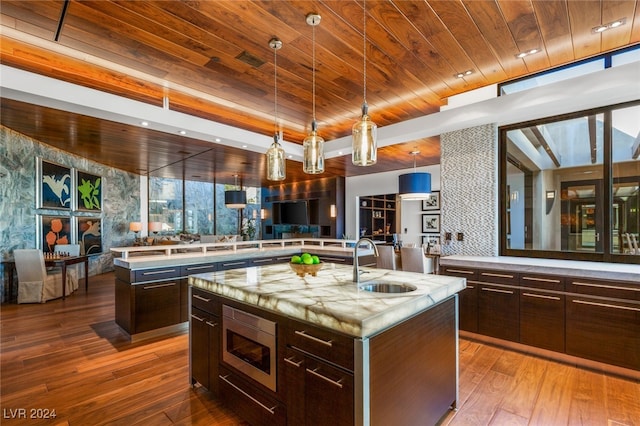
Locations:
340 354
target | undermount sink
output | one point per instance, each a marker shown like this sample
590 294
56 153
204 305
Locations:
381 287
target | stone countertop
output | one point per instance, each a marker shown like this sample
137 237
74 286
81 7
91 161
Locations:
331 299
569 268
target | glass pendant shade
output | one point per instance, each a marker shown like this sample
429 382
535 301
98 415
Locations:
276 166
414 186
313 152
364 149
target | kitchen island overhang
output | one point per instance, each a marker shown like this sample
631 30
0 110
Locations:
398 328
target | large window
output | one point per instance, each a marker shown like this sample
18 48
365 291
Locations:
570 186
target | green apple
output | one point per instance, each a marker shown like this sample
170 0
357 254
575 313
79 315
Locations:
296 259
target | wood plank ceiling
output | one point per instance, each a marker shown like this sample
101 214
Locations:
219 49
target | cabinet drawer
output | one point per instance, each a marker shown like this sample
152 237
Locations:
499 312
542 319
459 271
204 300
233 264
498 277
331 346
255 406
263 261
157 274
542 282
198 269
604 288
157 305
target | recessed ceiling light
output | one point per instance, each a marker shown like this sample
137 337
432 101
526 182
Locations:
463 74
339 152
527 53
144 123
244 146
290 156
183 132
604 27
218 139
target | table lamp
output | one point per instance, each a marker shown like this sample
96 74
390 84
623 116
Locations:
135 227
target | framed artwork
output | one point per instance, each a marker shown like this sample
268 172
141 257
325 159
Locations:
88 192
432 202
431 223
431 239
89 234
53 230
54 183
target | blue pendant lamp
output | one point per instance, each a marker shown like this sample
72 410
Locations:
416 185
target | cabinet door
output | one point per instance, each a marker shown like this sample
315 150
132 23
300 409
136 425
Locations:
328 395
157 305
542 319
199 347
467 298
498 312
604 330
293 364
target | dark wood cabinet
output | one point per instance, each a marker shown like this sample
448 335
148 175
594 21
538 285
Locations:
157 305
542 311
498 305
468 298
317 393
603 321
205 349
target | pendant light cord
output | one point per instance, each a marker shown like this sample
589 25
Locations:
364 48
313 69
275 89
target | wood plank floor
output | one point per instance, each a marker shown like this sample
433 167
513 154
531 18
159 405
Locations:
71 357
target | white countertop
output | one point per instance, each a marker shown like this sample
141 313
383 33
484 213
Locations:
331 299
571 268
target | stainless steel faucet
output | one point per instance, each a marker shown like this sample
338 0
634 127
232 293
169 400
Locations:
356 267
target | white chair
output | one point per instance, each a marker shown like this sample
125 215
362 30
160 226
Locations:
410 245
34 284
414 260
386 257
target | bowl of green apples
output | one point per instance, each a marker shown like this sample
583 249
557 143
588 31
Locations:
306 263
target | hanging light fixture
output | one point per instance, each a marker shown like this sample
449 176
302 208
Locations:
235 198
276 166
364 131
414 186
313 145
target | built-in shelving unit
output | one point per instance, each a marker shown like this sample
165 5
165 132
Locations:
378 217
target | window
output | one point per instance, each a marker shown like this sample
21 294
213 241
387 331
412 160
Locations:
570 185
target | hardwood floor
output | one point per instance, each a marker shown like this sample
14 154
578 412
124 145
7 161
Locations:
71 357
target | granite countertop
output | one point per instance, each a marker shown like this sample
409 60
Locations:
331 299
570 268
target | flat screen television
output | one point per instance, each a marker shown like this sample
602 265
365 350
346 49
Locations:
294 213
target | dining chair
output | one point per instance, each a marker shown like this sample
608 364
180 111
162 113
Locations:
634 244
386 257
35 285
414 260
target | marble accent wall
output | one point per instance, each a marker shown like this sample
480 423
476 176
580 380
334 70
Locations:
120 204
469 190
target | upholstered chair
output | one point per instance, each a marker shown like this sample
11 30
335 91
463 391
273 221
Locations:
386 257
35 285
414 260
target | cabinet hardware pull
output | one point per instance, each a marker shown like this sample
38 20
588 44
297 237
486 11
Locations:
195 296
614 287
166 271
470 286
495 290
460 271
333 382
262 260
197 317
271 410
151 287
541 296
194 268
545 280
212 324
292 362
315 339
234 263
491 274
606 305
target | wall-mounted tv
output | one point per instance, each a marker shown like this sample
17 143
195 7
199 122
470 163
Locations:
291 213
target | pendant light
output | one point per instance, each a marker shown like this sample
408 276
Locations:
276 166
364 131
313 144
235 198
416 185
